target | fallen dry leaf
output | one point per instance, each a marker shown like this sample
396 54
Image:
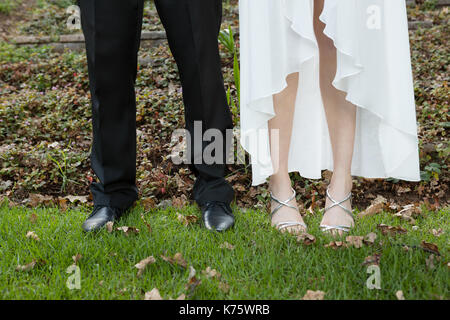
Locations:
32 235
438 232
62 203
306 239
153 295
409 212
193 282
225 287
370 238
232 178
192 272
211 273
372 260
26 267
327 175
141 265
81 199
401 190
76 258
226 245
314 295
109 226
177 259
356 241
399 295
393 206
187 220
148 203
335 244
377 206
431 247
385 229
128 230
406 217
179 202
310 210
37 199
122 291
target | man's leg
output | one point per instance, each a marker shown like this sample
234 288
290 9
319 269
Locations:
112 31
192 27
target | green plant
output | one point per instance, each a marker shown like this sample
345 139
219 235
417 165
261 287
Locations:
429 4
6 6
63 169
432 170
226 38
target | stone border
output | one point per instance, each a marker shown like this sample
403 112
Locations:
439 3
153 38
78 38
76 41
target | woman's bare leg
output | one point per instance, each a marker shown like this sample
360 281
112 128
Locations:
341 119
280 183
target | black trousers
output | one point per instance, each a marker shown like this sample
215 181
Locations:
112 31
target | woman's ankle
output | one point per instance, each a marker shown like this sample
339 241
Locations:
280 184
341 184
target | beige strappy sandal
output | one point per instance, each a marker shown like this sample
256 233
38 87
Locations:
328 228
286 224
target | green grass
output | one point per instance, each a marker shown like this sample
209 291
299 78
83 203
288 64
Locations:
6 6
263 265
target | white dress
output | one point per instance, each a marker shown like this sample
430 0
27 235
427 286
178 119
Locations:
373 68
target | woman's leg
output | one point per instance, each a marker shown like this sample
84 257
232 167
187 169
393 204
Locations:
280 183
341 119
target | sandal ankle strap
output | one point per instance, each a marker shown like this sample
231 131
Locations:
339 203
283 203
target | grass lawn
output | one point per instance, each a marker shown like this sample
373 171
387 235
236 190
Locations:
262 265
45 139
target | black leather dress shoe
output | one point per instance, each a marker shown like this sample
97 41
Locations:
217 216
100 216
